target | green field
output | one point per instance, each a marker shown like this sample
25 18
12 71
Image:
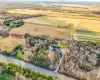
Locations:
84 38
87 32
6 77
88 35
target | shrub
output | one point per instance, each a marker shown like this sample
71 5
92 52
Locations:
26 35
17 47
20 55
11 69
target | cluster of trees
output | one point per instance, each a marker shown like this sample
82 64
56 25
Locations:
83 59
93 43
68 26
8 21
11 69
41 58
40 46
11 23
16 23
25 16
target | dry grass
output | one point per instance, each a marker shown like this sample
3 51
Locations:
9 43
43 30
51 14
48 21
84 24
55 18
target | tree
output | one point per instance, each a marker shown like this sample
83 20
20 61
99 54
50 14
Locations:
26 35
70 25
20 55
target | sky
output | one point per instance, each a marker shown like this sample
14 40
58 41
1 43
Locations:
45 0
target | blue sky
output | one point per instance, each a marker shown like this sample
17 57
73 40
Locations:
45 0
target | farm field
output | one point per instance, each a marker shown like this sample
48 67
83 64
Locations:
88 31
55 19
50 21
7 44
43 30
49 13
82 24
87 35
86 38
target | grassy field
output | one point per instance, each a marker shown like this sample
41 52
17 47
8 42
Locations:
88 32
56 14
87 25
83 24
55 19
50 21
43 30
85 38
9 43
6 77
87 35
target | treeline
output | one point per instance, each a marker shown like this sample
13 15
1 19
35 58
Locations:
21 16
11 23
24 16
12 69
68 26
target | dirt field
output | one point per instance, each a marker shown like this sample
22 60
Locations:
43 30
9 43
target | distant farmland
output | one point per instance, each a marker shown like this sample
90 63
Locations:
55 19
87 28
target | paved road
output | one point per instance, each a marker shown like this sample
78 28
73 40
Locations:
27 65
32 67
